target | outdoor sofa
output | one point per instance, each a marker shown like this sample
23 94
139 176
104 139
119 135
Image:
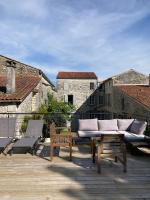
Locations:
132 129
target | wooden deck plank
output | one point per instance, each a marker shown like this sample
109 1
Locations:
26 177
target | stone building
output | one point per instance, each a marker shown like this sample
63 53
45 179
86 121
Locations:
22 88
108 92
132 100
76 88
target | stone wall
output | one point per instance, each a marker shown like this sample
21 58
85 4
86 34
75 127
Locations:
131 106
21 69
131 77
79 88
26 106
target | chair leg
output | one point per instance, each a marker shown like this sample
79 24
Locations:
116 158
70 148
124 162
51 152
11 152
93 151
33 151
99 159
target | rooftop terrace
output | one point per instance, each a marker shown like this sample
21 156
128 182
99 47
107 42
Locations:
26 177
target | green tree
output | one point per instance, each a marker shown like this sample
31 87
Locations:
59 111
54 110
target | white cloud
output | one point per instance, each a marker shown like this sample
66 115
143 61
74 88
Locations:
28 8
83 34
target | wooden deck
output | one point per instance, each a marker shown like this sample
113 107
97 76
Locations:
27 177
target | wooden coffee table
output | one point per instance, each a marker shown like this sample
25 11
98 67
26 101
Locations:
109 145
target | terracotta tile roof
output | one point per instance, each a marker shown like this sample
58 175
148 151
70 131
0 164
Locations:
140 93
24 85
76 75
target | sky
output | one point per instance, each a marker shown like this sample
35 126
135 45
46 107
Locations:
107 37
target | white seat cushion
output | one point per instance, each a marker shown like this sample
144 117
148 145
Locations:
132 136
94 133
88 133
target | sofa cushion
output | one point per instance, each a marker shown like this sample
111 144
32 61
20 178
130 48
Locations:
124 124
88 125
132 137
94 133
88 133
138 127
108 125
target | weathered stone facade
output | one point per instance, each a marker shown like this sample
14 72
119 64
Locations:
79 88
106 89
21 68
34 98
131 77
124 104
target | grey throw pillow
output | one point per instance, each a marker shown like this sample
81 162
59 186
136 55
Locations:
108 125
88 125
124 124
138 127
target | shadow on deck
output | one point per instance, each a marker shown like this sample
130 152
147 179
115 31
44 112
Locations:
34 177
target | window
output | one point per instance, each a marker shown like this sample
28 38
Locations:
70 99
91 86
92 100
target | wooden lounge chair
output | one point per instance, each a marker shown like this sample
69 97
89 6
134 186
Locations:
7 132
29 142
59 140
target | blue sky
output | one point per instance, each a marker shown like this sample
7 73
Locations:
104 36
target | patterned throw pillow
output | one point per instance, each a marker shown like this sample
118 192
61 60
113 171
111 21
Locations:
138 127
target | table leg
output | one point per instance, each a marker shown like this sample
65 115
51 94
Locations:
93 150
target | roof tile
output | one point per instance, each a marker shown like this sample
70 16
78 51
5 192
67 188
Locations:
24 85
140 93
76 75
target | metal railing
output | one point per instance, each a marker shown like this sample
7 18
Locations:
62 120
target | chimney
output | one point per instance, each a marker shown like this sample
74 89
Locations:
11 77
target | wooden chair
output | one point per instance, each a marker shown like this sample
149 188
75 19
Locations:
112 145
59 140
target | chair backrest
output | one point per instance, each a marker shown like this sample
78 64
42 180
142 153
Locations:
58 139
7 127
34 128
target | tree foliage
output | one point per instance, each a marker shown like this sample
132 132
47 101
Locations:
55 106
54 110
59 111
